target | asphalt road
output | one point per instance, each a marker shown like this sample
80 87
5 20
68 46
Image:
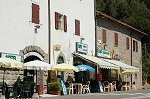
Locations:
138 94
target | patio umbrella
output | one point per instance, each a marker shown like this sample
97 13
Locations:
83 67
37 65
7 63
10 63
64 67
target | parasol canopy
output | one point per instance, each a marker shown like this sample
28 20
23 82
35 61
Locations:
10 63
37 65
64 67
83 67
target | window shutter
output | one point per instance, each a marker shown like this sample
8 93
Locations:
104 35
56 20
116 39
127 42
77 27
35 13
65 23
134 45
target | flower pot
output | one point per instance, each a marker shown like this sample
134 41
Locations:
55 92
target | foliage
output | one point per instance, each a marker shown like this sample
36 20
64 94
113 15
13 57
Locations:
54 86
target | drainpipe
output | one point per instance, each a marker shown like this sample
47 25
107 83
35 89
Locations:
131 56
95 18
49 41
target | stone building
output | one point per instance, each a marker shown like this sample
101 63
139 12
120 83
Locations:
122 42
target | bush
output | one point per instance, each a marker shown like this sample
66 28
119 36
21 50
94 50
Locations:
54 86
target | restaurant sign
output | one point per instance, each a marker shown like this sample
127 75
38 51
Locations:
81 48
103 53
11 56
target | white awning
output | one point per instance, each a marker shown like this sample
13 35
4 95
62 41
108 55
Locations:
124 66
98 61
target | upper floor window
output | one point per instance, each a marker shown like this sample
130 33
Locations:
104 40
127 42
77 27
60 21
116 39
35 13
135 46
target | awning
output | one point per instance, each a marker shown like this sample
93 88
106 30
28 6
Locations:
98 61
123 66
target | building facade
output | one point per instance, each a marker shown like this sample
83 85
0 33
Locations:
123 43
72 25
37 30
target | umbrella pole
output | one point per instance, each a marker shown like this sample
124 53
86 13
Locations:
3 91
36 77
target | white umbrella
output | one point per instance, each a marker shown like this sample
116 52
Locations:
37 65
10 63
64 67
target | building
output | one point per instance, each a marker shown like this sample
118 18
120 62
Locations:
120 42
47 30
72 29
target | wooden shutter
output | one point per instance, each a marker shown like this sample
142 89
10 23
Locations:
77 27
65 23
35 13
134 45
116 39
127 42
56 20
104 36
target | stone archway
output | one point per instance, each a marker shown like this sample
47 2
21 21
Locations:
33 48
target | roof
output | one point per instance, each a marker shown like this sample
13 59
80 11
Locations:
122 23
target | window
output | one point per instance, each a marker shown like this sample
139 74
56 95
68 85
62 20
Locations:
127 42
60 21
35 13
77 27
116 39
135 46
104 36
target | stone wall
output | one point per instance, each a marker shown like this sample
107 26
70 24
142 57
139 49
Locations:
125 55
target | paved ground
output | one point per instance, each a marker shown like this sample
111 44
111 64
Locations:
139 94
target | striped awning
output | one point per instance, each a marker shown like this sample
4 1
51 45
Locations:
98 61
123 66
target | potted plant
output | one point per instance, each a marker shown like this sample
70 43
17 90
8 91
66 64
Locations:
54 88
40 89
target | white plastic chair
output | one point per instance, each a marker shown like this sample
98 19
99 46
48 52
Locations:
86 88
70 88
106 86
113 86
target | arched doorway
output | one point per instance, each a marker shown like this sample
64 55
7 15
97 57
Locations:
30 75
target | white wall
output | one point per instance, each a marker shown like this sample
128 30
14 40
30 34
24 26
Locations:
16 28
82 10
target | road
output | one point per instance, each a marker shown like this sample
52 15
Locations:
138 94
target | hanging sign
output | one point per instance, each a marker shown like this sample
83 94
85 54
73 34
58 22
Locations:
82 48
103 53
